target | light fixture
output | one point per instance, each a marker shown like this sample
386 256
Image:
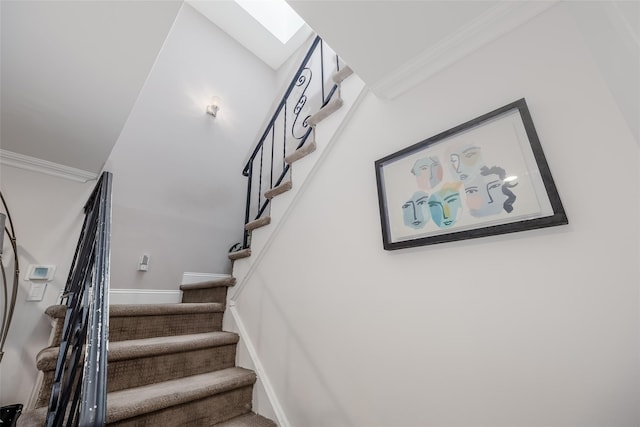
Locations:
213 108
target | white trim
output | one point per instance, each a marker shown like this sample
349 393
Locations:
144 296
34 164
496 22
283 421
191 277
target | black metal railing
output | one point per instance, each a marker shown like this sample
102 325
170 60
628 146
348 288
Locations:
79 392
9 298
288 130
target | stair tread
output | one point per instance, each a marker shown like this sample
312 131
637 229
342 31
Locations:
301 152
248 420
340 76
145 347
332 106
149 398
129 349
125 310
244 253
261 222
137 401
275 191
118 310
227 281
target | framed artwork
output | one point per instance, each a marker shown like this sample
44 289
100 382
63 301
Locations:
485 177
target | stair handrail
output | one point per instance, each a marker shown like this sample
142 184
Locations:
303 76
79 390
9 299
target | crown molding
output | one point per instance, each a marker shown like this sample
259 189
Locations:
496 22
34 164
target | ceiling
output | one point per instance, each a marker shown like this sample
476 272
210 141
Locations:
395 44
71 71
424 23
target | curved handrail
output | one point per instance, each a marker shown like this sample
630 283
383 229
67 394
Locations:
9 303
79 391
266 167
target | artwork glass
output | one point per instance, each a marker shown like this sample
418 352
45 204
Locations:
487 176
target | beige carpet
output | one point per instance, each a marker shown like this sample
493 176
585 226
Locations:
168 364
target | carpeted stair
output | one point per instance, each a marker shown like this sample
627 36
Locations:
309 147
168 365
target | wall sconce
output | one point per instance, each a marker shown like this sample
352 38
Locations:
213 108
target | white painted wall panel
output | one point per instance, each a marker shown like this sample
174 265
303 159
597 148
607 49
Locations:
178 189
47 215
538 328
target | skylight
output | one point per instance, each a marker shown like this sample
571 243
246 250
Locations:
275 15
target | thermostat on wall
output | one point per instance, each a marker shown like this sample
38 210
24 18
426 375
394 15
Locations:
40 272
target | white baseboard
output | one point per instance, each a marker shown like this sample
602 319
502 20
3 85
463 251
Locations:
144 296
191 277
159 296
282 419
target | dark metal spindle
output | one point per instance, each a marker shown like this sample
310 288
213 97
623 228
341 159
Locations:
303 76
79 388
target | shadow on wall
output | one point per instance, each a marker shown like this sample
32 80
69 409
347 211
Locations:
295 356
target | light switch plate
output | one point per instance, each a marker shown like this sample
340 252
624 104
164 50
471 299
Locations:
36 292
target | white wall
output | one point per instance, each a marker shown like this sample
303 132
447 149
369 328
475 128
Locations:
612 32
178 189
47 215
537 328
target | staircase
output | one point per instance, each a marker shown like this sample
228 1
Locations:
305 150
326 125
171 364
168 365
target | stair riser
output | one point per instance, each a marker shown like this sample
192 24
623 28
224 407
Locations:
200 413
129 373
44 393
129 328
217 294
133 373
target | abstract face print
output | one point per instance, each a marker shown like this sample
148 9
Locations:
466 161
488 194
415 211
445 205
428 172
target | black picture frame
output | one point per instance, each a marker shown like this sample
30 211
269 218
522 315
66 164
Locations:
485 177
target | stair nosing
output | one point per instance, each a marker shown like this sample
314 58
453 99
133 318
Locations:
132 402
147 347
301 152
250 419
135 310
216 283
276 191
340 76
243 253
332 106
260 222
